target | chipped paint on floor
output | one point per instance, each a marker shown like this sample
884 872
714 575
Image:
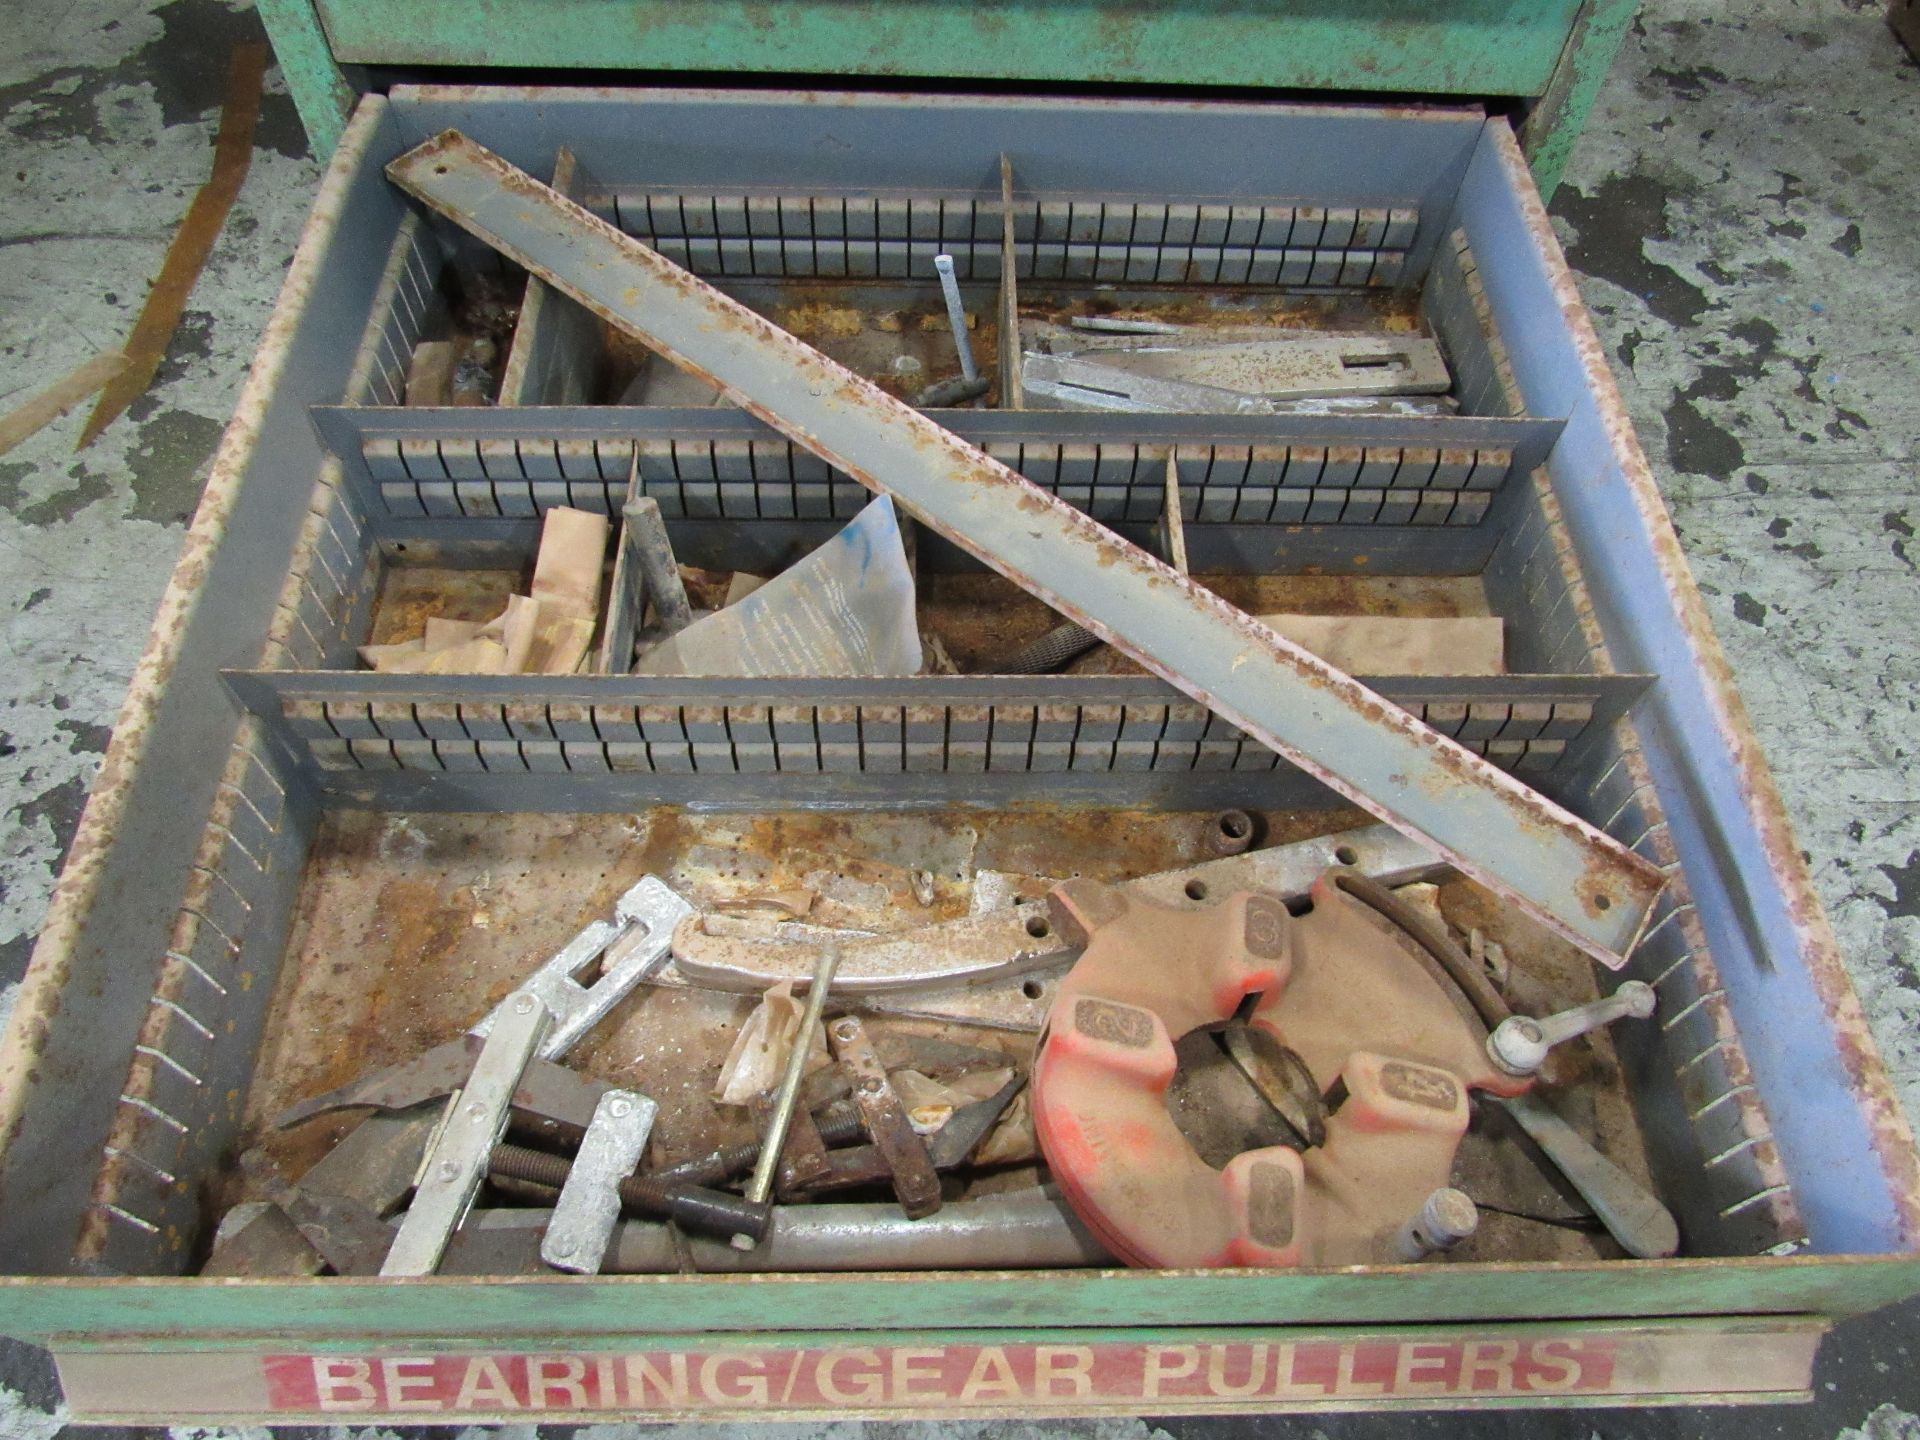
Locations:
1742 211
107 109
1887 1422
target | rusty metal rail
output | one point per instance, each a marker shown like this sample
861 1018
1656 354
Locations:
1573 878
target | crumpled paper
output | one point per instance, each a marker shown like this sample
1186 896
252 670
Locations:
758 1059
846 609
546 632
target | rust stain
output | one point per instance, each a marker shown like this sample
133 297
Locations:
819 319
1819 950
410 595
386 959
1213 306
1611 870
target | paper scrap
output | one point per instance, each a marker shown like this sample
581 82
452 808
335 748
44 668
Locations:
758 1059
548 632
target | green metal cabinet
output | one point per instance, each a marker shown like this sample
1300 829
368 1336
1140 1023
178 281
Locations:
1545 59
1768 1122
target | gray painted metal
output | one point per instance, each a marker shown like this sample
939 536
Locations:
1026 1231
122 890
956 317
1755 902
1576 880
761 544
1644 1227
130 860
558 792
815 142
645 536
345 428
1179 779
265 692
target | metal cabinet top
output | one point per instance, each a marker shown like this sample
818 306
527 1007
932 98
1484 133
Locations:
1548 56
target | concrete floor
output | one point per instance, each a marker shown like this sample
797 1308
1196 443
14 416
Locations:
1742 210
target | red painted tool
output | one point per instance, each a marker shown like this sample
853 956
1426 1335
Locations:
1342 988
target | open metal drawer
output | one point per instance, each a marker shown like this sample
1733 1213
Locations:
257 778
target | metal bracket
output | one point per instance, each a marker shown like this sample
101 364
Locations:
476 1118
1005 944
626 949
915 1182
1575 879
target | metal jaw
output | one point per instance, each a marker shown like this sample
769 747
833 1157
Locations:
589 1205
457 1159
627 949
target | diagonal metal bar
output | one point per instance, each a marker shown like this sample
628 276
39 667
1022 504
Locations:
1570 876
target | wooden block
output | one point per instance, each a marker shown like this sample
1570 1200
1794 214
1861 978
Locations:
1400 645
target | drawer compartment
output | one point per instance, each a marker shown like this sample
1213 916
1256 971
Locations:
296 869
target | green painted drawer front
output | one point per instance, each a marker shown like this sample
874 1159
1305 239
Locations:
1464 47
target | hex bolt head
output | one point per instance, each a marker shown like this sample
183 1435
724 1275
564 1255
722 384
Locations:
1447 1217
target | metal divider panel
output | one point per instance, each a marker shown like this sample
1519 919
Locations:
706 464
486 724
1097 240
176 1113
1703 1116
